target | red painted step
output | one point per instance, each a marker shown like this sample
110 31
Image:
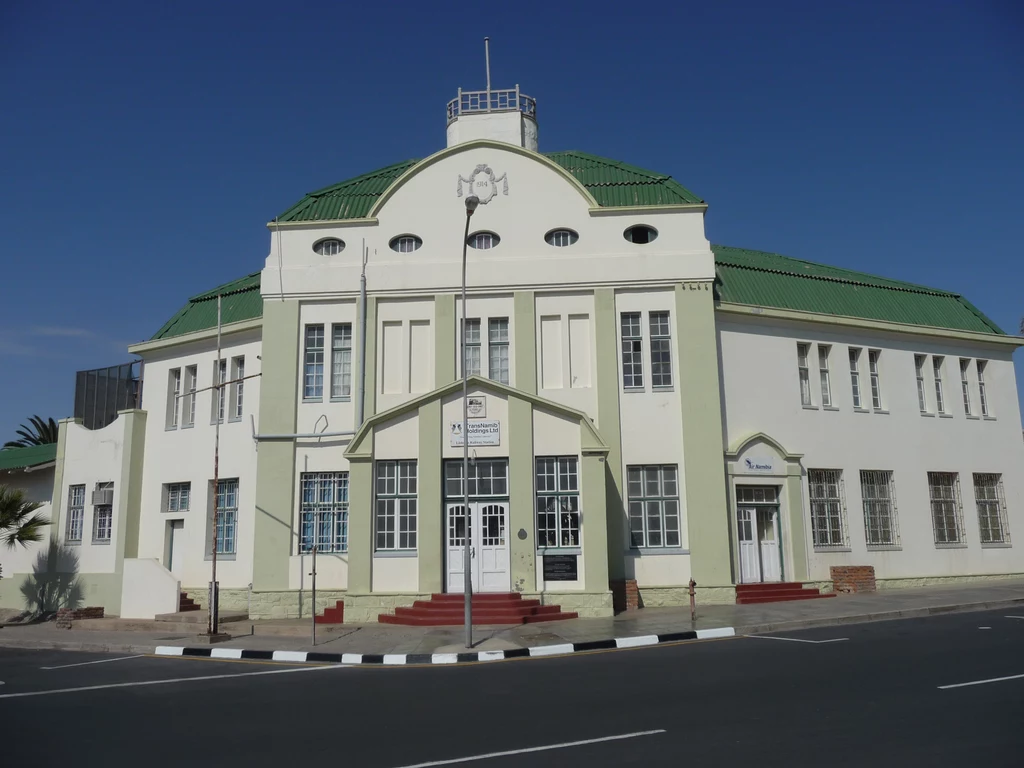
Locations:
811 595
333 614
776 592
497 608
186 603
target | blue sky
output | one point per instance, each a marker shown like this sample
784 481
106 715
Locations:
145 145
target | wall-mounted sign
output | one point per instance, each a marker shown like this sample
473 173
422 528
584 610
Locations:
759 464
480 432
560 568
476 406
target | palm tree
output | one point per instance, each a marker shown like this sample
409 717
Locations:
19 522
39 433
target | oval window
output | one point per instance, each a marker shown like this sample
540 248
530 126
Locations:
641 234
330 246
483 240
560 238
406 243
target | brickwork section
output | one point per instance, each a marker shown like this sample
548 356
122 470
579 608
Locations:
625 595
853 578
67 615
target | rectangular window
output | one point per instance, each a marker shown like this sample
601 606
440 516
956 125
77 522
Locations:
396 505
323 515
826 385
855 376
802 351
947 512
313 365
988 495
878 495
497 349
220 395
922 400
940 403
173 397
76 513
828 507
487 478
876 381
965 386
179 497
189 409
661 350
341 361
632 351
227 516
558 502
471 341
238 374
982 393
103 513
653 492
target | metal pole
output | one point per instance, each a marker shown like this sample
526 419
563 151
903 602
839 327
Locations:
487 58
313 574
214 592
467 555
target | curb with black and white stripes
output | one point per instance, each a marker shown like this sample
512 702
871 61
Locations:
398 659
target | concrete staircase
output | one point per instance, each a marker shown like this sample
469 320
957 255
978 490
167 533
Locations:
443 610
776 592
186 603
332 615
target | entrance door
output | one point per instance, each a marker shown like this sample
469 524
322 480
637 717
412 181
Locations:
757 530
175 546
488 567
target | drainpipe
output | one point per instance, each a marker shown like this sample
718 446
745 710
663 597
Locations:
362 341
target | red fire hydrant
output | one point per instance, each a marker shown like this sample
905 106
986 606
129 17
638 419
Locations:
693 601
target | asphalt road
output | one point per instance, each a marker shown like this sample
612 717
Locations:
871 696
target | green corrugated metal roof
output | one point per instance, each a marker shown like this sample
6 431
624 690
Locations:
33 456
771 280
610 182
240 300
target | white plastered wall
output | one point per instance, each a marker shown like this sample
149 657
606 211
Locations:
567 349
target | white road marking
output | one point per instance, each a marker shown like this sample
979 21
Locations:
167 682
535 749
984 627
798 640
101 661
975 682
1013 617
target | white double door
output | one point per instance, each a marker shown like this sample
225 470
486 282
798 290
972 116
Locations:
488 544
758 533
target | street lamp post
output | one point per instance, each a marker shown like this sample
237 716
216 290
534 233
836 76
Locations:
472 201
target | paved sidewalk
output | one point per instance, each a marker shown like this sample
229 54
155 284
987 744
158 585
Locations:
388 639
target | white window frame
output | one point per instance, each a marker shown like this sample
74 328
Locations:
855 389
878 499
558 502
990 499
922 397
660 324
102 517
803 353
341 361
313 353
227 516
238 374
220 395
76 514
642 498
177 498
406 244
946 509
483 241
472 340
395 505
874 371
632 349
828 509
323 511
940 401
173 397
498 351
824 350
982 365
191 376
965 385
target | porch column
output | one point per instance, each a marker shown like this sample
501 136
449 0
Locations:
360 523
522 552
430 524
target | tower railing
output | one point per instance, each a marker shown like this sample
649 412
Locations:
499 100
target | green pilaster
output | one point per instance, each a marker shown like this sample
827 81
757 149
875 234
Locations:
595 529
523 552
525 328
607 363
703 460
130 496
275 459
430 498
444 339
360 525
797 535
370 364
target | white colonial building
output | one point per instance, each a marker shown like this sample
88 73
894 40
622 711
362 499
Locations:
646 407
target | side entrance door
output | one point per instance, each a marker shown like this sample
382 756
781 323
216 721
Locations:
757 529
175 546
488 566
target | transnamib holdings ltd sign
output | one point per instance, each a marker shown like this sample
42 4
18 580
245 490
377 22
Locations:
481 432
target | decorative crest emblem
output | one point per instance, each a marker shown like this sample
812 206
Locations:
483 183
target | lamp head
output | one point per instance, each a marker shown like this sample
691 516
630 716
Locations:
471 203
